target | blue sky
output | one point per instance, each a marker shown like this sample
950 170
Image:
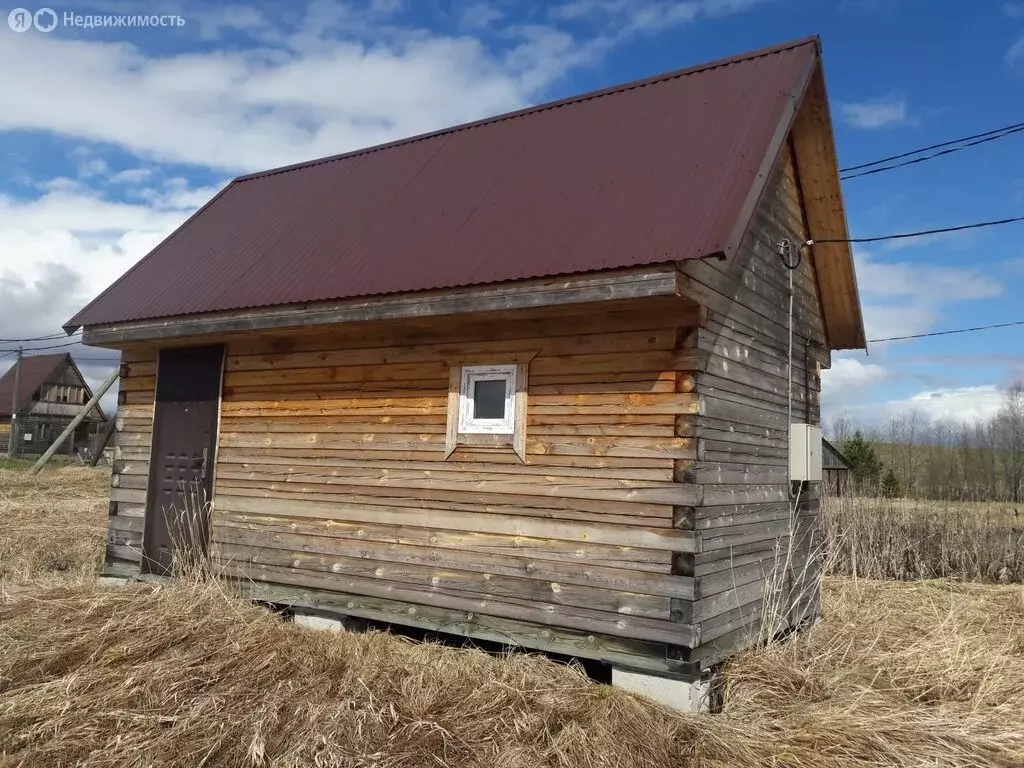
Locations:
110 137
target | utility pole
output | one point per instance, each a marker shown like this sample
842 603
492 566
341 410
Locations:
14 408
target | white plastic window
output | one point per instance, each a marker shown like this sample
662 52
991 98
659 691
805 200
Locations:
487 399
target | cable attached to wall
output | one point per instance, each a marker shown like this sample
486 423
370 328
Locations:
786 251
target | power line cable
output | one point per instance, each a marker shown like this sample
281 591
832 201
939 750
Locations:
947 333
932 156
921 233
996 133
51 337
52 346
874 239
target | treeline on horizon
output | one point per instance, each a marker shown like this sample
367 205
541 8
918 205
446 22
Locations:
914 456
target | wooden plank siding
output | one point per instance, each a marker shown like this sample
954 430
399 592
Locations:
745 518
131 441
331 477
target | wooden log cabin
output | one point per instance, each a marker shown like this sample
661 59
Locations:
525 380
51 391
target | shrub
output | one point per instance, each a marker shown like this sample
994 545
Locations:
905 539
891 487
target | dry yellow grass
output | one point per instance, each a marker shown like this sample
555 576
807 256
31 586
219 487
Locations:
910 539
53 525
897 674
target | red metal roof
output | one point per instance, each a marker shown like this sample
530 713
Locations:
644 173
35 370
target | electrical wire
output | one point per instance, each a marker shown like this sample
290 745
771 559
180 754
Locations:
51 337
971 141
40 349
922 233
947 333
790 266
917 160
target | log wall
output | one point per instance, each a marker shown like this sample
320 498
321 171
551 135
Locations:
746 515
331 478
131 442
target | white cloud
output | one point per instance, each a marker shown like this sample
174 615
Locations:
60 250
849 380
251 110
869 115
94 166
840 395
131 176
176 194
885 321
62 184
977 403
902 298
922 281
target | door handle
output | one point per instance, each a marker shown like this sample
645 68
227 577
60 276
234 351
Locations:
202 468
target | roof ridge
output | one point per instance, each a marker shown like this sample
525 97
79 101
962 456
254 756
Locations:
527 111
26 357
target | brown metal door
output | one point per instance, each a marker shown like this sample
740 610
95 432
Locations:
181 464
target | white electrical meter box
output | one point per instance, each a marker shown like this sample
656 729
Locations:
804 453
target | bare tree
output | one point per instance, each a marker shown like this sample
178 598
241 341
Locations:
841 429
1009 430
950 459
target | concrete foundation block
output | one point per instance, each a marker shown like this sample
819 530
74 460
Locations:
682 695
318 622
112 581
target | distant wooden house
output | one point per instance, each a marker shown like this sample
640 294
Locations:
51 392
522 380
837 471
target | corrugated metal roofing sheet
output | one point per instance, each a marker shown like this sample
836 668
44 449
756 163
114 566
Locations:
644 173
35 370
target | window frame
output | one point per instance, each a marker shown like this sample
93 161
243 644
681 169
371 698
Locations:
489 434
471 375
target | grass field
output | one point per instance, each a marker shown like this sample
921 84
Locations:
924 673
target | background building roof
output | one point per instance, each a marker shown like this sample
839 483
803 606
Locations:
35 370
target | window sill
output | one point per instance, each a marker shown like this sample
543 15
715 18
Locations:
482 445
483 440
